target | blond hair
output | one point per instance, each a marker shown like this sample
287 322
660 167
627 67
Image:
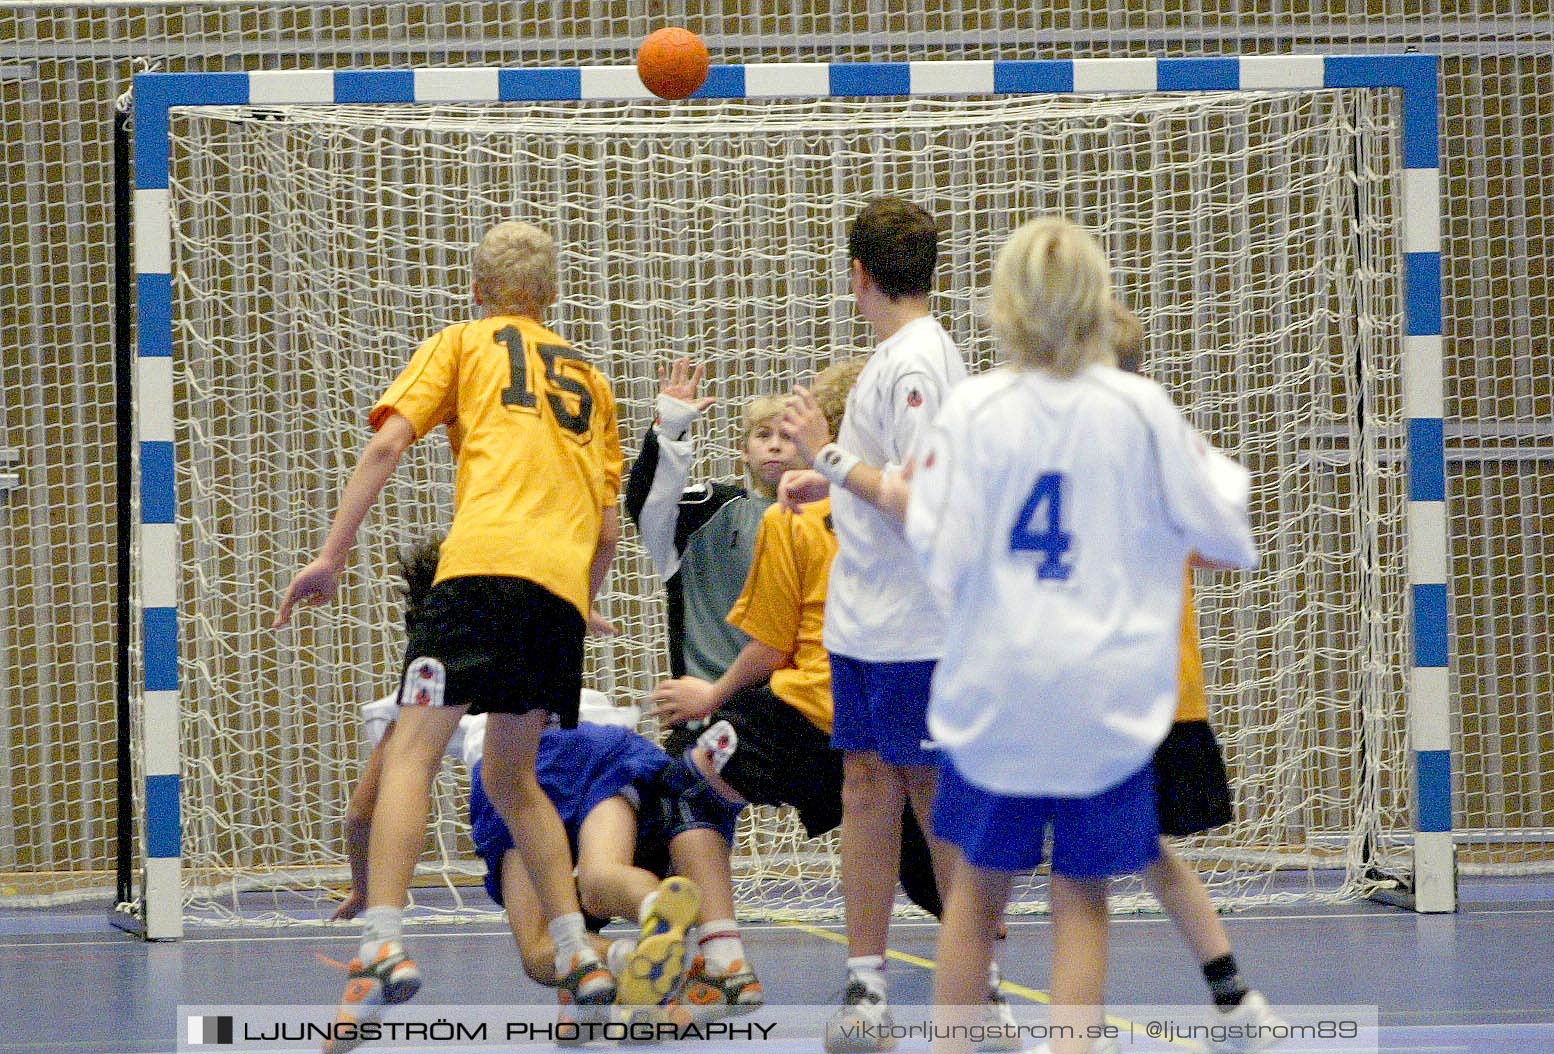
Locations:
515 269
1127 337
1051 299
760 408
832 385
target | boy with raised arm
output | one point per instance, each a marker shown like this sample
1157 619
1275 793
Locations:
701 538
770 711
538 466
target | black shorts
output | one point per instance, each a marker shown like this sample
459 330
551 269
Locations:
499 645
1192 794
677 799
781 758
792 768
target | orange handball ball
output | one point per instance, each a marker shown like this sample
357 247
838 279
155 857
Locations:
672 63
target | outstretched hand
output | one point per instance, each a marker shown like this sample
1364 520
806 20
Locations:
315 584
681 383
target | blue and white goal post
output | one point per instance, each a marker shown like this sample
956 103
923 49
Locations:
158 911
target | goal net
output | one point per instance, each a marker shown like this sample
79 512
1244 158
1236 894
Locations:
314 247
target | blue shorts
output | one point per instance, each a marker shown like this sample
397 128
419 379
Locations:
1114 832
680 799
577 769
883 707
668 802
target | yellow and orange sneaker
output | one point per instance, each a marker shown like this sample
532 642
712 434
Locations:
710 997
654 968
585 996
392 977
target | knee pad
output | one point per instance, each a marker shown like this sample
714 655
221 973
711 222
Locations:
720 741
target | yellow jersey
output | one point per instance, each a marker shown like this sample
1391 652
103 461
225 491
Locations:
535 443
1192 702
784 601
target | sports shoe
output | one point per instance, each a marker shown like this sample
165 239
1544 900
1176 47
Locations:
588 983
1252 1010
1001 1031
393 977
655 967
711 997
585 995
850 1030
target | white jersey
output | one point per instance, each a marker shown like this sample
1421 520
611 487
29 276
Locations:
1054 517
878 608
468 742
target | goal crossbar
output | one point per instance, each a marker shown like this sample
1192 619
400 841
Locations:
157 912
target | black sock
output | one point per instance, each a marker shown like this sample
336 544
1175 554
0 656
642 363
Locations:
1225 984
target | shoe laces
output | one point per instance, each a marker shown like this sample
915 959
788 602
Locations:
860 994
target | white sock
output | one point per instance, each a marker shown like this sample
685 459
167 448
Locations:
379 925
646 907
720 946
993 979
619 951
870 969
571 941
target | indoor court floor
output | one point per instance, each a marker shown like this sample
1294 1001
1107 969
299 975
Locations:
1477 982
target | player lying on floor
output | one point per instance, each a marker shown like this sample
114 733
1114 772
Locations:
700 538
631 816
769 737
535 528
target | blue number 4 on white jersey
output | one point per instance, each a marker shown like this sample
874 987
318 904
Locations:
1039 528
